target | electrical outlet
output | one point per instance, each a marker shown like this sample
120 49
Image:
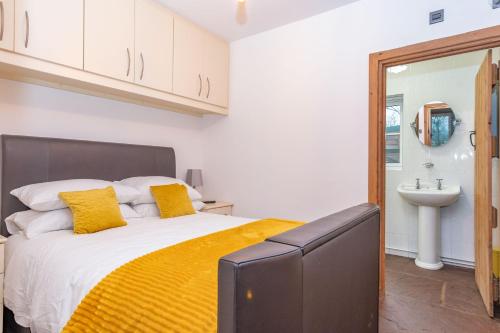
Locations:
495 4
436 16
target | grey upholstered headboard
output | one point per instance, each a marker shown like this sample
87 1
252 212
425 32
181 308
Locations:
28 160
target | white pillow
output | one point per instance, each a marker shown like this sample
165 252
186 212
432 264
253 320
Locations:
143 185
151 210
45 196
32 223
128 212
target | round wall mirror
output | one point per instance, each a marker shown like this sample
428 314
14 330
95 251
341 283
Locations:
434 124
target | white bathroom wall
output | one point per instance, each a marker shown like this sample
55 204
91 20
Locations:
450 80
39 111
295 144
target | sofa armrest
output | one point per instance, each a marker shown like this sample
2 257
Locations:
260 290
317 233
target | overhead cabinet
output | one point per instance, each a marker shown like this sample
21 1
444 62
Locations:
7 24
154 43
132 50
51 30
216 70
188 59
201 64
109 38
130 40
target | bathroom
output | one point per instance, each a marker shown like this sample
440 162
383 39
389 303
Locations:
443 88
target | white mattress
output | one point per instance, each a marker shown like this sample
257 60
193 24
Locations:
47 277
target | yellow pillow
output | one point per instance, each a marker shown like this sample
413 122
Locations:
172 200
94 210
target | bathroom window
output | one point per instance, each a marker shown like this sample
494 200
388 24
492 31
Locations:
442 122
393 118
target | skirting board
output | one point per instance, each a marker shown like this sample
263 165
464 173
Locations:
448 261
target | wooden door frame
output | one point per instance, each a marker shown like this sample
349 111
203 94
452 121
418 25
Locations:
379 62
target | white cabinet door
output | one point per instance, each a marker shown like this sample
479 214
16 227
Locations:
7 24
189 80
109 38
50 30
201 64
154 42
216 69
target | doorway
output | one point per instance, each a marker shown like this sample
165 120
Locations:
379 63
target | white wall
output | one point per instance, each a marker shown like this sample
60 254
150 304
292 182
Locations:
295 143
450 80
38 111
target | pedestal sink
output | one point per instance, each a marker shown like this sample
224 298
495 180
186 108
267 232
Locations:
429 200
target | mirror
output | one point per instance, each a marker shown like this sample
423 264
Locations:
435 124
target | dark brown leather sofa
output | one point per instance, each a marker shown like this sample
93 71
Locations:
320 278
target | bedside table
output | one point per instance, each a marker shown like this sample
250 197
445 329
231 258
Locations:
3 240
221 208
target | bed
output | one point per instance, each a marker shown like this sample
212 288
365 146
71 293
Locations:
321 277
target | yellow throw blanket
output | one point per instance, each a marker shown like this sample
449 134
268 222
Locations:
169 290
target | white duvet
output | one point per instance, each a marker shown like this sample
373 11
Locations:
47 277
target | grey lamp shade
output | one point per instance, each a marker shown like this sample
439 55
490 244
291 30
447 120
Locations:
194 177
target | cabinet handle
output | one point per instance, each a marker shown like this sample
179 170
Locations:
209 87
142 70
26 40
128 66
2 18
201 85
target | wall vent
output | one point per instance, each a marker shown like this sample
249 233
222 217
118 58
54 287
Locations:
495 4
436 16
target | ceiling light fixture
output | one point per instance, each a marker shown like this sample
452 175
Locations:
398 69
241 12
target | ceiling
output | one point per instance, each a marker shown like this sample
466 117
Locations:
454 62
232 21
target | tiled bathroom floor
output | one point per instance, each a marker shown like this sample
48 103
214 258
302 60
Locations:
418 300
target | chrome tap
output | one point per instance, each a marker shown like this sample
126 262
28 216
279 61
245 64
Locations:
417 186
440 183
